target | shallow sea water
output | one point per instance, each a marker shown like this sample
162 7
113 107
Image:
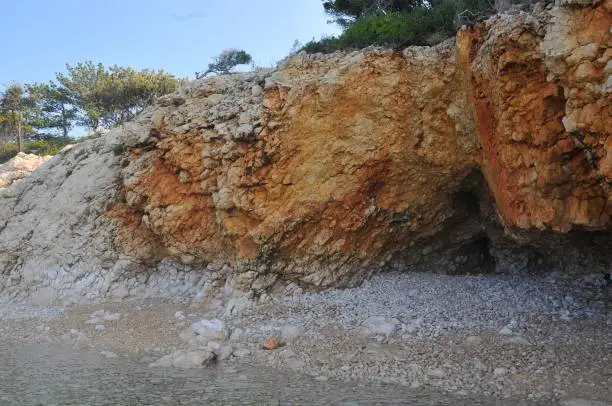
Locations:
53 375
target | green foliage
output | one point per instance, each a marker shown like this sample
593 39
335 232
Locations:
424 24
6 194
108 97
7 155
347 12
48 146
17 111
42 146
228 60
56 111
118 149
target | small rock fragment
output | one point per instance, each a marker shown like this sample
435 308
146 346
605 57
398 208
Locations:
472 341
436 373
500 372
108 354
272 343
242 352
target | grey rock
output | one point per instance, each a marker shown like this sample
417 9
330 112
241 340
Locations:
472 341
436 373
518 340
186 359
583 402
499 372
108 354
205 331
236 334
379 325
102 315
224 352
242 352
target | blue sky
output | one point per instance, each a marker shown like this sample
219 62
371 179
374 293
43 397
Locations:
180 36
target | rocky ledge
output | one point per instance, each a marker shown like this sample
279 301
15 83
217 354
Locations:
487 152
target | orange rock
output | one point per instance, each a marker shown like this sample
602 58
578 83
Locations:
351 162
272 343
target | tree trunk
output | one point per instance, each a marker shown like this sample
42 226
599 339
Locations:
19 135
64 122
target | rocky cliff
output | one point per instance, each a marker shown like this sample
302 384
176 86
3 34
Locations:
488 151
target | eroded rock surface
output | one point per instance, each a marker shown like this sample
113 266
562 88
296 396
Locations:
19 167
488 151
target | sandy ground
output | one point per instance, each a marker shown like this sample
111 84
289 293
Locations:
533 337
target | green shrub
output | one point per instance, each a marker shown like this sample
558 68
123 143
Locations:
420 26
7 156
118 149
43 146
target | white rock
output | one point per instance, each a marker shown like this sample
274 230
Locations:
207 327
112 316
436 373
101 315
108 354
186 359
180 315
213 346
500 372
242 352
204 331
256 91
236 334
224 352
380 325
19 167
237 305
506 331
100 327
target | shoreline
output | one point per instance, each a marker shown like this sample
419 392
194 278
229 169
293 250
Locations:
530 337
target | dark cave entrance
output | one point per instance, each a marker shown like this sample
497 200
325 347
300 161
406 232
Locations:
474 257
473 249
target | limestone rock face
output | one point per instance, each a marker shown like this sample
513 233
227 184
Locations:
491 150
19 167
341 159
543 112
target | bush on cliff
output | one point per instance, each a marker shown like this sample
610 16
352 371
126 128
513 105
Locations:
427 24
226 61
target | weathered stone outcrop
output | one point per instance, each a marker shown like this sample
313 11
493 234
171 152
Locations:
19 167
485 151
542 106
